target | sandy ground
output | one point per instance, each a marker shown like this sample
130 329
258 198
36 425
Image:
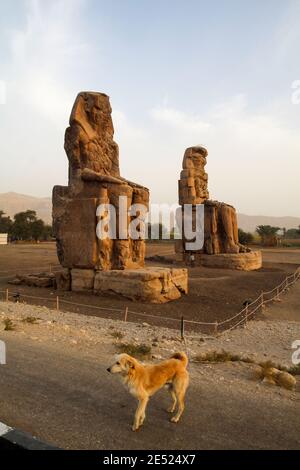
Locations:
55 383
214 294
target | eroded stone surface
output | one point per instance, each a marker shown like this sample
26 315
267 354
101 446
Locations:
34 280
82 280
193 179
241 261
63 280
154 285
220 219
94 179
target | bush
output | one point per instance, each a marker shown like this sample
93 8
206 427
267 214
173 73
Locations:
245 238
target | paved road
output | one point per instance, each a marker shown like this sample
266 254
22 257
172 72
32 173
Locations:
69 400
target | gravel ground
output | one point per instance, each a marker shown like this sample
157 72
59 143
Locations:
261 340
56 387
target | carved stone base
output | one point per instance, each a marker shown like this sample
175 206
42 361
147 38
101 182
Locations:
240 261
153 285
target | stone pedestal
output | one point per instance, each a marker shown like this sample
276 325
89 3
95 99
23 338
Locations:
154 285
241 261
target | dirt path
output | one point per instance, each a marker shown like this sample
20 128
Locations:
288 308
71 401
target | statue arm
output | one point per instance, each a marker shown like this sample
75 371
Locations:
91 175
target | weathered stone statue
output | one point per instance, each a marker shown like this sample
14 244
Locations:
193 179
94 178
112 264
220 220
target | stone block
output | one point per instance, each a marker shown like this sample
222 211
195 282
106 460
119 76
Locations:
63 280
82 280
153 285
249 261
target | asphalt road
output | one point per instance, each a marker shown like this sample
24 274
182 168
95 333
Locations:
69 400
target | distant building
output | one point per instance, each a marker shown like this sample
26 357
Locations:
3 238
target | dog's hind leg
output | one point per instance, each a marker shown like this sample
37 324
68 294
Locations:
180 387
171 409
140 413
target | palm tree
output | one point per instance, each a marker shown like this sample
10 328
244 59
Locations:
268 234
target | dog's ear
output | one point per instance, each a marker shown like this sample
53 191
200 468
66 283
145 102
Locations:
130 364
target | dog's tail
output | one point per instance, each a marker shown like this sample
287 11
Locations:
181 356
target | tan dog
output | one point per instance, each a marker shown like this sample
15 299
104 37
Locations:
143 381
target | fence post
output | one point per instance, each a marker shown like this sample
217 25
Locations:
216 328
246 315
57 303
50 268
7 295
126 314
262 299
277 293
182 327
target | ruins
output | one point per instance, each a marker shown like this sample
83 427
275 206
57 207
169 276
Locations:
221 244
102 265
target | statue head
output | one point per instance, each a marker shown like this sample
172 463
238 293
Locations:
92 111
194 157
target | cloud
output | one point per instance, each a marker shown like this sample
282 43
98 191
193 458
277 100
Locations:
253 159
42 54
179 120
47 55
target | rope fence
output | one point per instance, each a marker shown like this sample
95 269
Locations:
239 319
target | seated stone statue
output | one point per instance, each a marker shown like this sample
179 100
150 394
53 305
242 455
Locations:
220 220
94 177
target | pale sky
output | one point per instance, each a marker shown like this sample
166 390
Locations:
179 73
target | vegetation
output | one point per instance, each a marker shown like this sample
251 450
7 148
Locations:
29 319
135 350
245 238
226 356
268 234
117 335
292 233
8 324
25 226
5 223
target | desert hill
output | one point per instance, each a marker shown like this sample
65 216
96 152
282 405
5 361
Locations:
11 203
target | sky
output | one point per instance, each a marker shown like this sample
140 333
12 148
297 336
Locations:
178 72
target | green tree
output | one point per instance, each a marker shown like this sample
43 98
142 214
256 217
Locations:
37 228
245 238
292 233
27 226
268 234
21 229
5 223
47 232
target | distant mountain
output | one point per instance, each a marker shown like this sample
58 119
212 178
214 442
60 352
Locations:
249 222
12 203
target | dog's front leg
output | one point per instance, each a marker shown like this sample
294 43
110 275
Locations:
140 413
